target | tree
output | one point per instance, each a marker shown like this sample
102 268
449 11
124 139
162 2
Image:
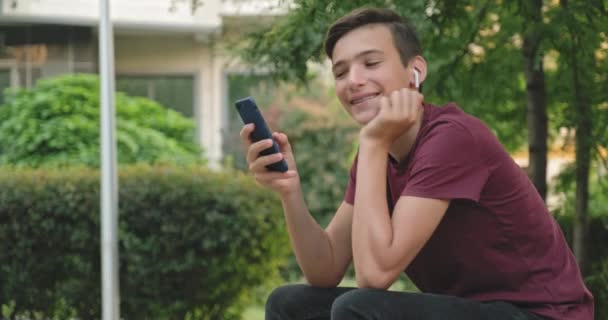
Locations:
194 4
579 88
474 52
57 123
489 56
533 55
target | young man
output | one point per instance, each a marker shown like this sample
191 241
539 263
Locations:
432 193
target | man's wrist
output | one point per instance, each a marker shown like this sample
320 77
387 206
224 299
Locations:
289 194
372 145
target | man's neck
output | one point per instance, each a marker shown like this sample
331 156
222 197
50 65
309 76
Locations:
404 144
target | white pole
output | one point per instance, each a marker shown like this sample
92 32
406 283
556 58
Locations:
110 293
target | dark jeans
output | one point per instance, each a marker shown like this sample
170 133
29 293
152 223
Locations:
303 302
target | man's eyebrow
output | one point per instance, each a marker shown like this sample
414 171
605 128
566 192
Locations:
360 54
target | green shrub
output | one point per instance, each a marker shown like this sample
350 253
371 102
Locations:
596 278
597 283
596 275
323 155
193 243
58 123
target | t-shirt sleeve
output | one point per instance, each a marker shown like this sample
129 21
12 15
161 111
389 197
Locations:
447 165
349 196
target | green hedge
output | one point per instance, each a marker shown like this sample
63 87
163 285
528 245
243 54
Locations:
192 243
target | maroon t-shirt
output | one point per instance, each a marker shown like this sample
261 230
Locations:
497 240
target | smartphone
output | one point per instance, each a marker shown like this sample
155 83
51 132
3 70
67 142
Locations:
250 113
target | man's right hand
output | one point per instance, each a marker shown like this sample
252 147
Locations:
323 256
282 182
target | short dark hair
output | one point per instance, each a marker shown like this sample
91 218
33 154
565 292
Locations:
404 34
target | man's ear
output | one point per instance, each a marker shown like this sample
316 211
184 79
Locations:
418 64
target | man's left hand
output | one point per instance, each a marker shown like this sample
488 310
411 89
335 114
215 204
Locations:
397 113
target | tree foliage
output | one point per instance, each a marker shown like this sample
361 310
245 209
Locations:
578 88
474 51
480 54
473 54
58 123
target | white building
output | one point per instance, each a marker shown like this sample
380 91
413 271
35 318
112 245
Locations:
164 50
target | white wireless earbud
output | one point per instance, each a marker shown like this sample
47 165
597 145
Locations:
417 79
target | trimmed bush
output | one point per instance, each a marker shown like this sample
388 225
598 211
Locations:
192 244
57 123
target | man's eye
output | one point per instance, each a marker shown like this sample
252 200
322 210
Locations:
372 63
339 74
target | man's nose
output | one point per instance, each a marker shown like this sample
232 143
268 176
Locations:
356 77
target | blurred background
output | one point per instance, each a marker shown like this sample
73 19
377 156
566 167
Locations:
198 239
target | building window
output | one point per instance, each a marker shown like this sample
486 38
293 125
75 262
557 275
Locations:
28 76
44 51
175 92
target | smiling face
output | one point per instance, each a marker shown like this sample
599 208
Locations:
366 65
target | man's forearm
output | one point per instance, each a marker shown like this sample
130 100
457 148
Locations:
310 243
372 226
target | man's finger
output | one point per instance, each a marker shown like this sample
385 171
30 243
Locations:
254 150
384 104
246 133
396 101
260 163
414 104
282 141
267 177
418 99
405 101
